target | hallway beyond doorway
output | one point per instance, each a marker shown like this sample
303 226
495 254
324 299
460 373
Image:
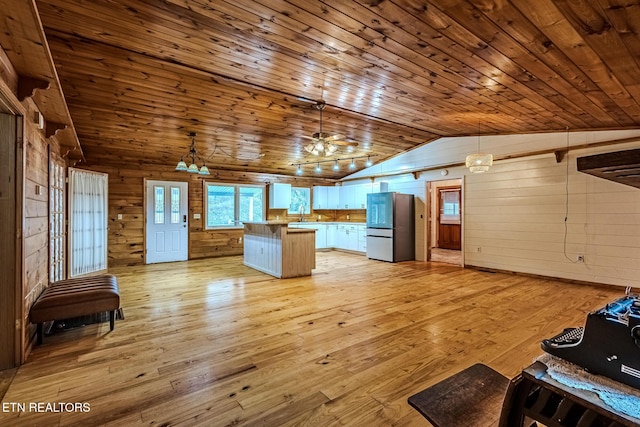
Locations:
449 256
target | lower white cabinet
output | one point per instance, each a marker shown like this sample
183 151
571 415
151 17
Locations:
362 238
332 231
347 237
351 237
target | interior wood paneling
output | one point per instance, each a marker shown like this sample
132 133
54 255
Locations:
138 75
8 245
126 197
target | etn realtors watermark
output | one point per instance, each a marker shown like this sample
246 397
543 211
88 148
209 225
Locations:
42 407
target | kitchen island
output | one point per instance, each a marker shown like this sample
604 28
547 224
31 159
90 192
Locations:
278 250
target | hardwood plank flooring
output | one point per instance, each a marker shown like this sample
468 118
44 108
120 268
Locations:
214 343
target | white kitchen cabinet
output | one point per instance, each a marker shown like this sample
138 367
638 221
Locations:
279 196
360 196
332 231
346 197
355 196
362 238
325 197
333 197
319 197
321 232
347 237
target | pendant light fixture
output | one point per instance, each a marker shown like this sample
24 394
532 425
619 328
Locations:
193 154
479 162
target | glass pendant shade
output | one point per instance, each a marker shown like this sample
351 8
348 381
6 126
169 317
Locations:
182 166
479 163
204 170
193 168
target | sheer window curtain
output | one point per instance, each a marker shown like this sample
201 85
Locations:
88 207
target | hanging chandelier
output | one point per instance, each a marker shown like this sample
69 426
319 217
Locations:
479 162
193 155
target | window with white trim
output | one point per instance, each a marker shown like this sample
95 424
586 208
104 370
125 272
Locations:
229 205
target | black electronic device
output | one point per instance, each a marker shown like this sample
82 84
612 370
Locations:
608 344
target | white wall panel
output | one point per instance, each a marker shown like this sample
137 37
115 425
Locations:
515 220
515 213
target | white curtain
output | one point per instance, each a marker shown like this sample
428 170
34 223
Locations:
88 206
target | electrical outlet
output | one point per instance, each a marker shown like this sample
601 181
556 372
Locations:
580 258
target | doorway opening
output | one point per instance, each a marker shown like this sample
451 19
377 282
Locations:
445 231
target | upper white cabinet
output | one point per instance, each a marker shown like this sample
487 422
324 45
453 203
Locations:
279 196
325 197
345 197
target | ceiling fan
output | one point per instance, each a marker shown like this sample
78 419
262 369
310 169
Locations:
324 143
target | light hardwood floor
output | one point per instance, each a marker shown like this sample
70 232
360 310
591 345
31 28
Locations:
214 343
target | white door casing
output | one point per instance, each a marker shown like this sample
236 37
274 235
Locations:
167 224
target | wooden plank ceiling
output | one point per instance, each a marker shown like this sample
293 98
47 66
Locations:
139 75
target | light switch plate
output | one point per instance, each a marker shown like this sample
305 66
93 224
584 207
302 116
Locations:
196 216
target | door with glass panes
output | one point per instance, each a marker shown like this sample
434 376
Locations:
167 235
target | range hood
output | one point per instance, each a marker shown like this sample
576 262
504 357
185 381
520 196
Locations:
618 166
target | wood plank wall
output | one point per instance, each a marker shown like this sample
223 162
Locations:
126 197
514 216
515 221
36 212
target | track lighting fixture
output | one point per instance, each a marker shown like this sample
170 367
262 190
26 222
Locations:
336 164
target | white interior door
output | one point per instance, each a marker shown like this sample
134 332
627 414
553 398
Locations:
167 222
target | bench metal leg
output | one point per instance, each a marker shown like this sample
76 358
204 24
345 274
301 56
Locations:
112 319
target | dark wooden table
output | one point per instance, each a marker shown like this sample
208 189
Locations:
470 398
481 397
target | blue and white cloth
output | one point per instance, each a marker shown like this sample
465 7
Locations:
620 397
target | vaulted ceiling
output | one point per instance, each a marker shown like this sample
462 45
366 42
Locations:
245 75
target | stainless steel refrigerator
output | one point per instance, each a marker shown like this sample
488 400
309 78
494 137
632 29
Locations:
390 227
